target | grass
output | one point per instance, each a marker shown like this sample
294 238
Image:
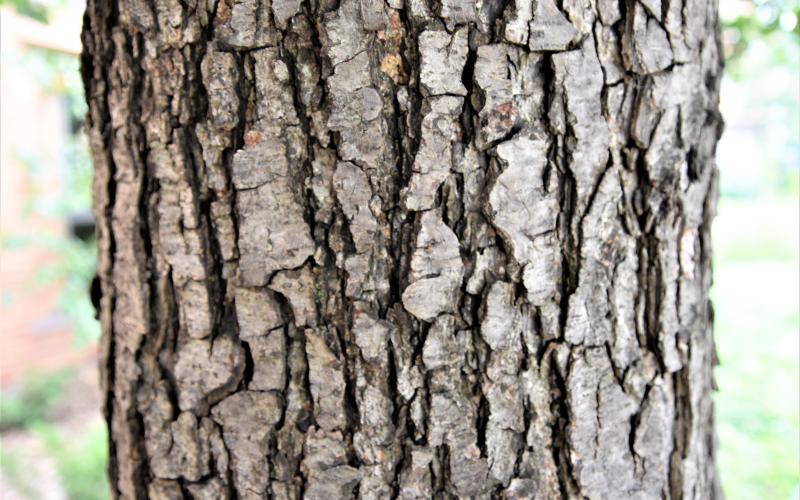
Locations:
756 295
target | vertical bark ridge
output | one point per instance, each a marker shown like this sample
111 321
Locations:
411 249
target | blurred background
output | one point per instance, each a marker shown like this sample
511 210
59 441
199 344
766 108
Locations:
52 438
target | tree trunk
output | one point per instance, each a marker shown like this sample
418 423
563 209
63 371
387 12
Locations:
405 250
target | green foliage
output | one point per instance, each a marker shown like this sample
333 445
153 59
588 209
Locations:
29 8
34 399
57 73
773 22
756 296
760 150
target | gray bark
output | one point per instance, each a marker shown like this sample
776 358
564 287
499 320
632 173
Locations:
406 249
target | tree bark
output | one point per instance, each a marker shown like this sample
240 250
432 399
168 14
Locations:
407 249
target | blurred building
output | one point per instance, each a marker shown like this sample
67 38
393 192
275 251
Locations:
35 334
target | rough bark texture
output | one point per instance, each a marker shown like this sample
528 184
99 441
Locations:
405 249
